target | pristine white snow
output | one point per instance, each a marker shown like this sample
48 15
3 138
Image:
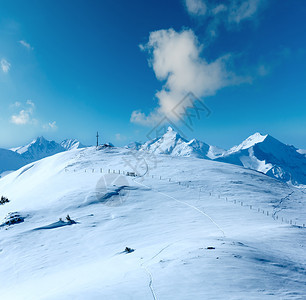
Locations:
169 224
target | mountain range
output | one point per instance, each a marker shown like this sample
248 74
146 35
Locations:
262 153
39 148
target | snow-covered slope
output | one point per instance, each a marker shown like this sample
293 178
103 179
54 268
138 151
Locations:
169 224
70 144
268 155
173 144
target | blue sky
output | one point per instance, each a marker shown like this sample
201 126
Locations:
70 68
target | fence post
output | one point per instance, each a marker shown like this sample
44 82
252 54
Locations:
159 177
101 170
250 206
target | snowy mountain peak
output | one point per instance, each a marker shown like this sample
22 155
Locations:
249 142
70 144
173 144
171 134
38 149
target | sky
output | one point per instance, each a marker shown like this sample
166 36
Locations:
124 68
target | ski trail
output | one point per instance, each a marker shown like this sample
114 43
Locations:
149 273
160 252
151 282
187 204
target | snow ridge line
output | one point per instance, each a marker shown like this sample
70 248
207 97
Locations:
281 202
187 204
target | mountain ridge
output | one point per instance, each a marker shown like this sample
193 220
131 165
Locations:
258 152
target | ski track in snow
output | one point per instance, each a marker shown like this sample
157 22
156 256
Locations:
150 274
187 204
150 283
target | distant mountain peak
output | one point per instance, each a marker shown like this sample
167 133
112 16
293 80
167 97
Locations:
172 143
69 144
249 142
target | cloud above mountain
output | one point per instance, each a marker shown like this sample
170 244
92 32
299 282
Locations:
24 116
177 62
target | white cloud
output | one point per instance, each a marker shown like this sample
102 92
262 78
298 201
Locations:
263 70
16 104
139 117
24 116
227 12
196 7
26 45
242 10
50 126
5 65
30 103
175 59
218 9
